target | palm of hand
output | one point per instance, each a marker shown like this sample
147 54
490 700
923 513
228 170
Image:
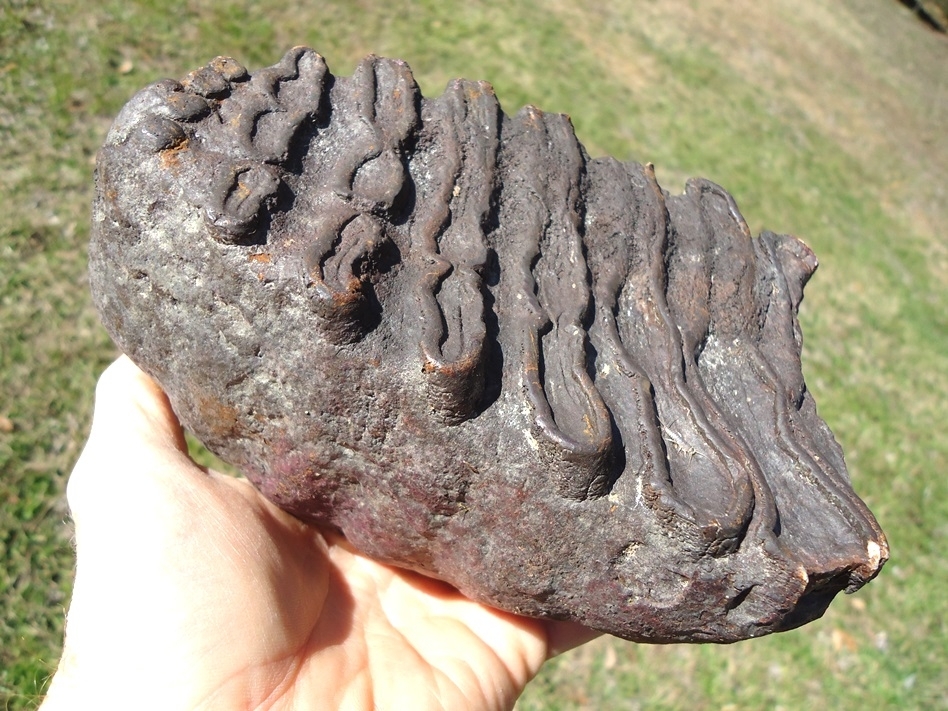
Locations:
193 591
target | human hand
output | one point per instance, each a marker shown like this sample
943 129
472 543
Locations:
192 591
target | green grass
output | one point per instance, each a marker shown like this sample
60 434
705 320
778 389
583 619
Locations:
824 119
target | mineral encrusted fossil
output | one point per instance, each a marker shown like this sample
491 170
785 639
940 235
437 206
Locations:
477 352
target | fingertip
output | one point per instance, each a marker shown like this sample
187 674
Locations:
564 636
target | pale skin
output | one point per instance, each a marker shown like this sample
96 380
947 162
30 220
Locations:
194 592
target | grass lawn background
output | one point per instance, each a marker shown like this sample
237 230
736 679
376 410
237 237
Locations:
825 118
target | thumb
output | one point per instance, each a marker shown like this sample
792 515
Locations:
135 443
129 404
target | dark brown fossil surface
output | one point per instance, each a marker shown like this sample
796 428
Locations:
477 352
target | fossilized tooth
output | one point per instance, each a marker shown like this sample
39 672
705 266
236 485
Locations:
478 353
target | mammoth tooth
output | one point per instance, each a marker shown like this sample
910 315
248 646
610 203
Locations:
479 353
